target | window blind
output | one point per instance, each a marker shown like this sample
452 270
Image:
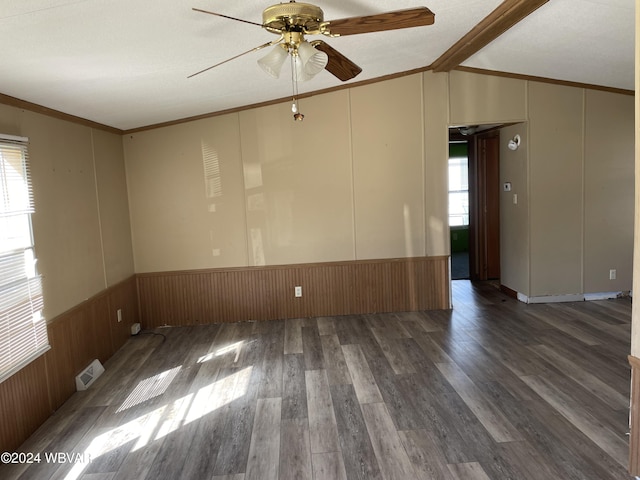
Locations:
23 330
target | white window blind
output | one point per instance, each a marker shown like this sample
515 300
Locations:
23 330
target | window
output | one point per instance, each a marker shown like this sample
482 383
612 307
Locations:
23 330
458 184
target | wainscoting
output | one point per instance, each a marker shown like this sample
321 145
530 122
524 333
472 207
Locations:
88 331
267 293
634 431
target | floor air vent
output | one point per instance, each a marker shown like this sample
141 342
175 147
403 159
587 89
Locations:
86 377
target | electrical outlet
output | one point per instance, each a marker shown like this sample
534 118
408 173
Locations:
612 274
119 314
297 291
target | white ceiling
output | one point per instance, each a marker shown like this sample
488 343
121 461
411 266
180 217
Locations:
125 63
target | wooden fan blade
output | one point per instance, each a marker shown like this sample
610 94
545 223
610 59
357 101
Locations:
338 65
412 17
226 16
255 49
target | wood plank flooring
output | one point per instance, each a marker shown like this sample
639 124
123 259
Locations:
494 389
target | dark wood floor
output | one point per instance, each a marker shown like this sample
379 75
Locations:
493 389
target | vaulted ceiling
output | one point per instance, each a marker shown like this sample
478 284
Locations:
124 64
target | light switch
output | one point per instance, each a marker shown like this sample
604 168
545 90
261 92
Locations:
515 198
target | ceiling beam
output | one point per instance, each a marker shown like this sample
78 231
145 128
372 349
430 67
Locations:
508 14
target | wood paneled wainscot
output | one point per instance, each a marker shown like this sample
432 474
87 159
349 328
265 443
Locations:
634 419
267 293
88 331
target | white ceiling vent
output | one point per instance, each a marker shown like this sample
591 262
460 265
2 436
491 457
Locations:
89 375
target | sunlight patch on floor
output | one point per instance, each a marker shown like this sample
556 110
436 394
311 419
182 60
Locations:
149 388
237 347
168 418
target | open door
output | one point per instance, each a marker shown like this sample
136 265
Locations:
484 206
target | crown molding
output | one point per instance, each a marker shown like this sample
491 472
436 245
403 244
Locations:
34 107
532 78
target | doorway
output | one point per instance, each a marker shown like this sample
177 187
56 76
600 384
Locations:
481 247
459 208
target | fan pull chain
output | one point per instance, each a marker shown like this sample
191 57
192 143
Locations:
297 116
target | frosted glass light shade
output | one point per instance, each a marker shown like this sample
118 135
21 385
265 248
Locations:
272 62
313 61
298 66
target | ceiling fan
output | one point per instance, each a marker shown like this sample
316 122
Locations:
292 21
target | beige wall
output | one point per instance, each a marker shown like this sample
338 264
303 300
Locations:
345 184
186 197
81 225
113 207
435 93
609 190
478 99
364 176
388 162
581 190
514 217
298 182
556 196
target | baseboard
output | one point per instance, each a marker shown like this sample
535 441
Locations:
604 295
577 297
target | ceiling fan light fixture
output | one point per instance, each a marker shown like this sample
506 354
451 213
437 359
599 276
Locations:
291 21
313 61
272 62
299 73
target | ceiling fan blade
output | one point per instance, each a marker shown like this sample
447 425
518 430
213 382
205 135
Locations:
255 49
338 65
226 16
412 17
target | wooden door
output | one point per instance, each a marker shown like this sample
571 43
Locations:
484 196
